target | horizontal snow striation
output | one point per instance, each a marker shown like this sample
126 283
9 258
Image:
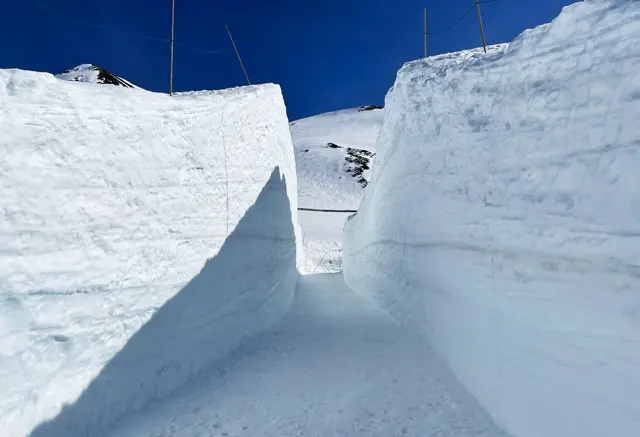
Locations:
503 220
112 201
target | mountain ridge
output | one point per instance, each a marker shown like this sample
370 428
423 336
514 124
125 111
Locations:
91 73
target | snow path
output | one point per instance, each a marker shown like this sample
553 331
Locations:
334 366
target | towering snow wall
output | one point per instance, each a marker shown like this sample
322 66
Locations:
112 201
503 220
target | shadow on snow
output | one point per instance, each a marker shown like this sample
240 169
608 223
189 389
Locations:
242 290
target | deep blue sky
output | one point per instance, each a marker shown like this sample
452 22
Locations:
326 54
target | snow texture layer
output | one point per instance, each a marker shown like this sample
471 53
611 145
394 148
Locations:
503 220
112 201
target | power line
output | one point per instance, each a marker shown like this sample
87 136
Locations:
459 20
120 31
455 23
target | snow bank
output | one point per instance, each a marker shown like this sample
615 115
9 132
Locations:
503 220
112 201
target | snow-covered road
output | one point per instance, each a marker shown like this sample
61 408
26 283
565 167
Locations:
334 366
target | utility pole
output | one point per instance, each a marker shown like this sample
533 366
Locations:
425 32
173 21
484 44
238 55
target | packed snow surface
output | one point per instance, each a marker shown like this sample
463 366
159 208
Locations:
503 221
334 366
115 207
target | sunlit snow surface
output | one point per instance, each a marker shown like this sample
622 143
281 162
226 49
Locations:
503 220
112 201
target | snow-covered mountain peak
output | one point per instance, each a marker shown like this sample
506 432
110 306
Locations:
91 73
334 153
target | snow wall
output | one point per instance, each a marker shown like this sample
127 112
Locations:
112 201
503 221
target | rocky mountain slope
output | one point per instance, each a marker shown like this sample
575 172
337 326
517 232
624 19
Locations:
91 73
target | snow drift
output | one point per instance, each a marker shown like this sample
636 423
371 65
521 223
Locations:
112 201
503 220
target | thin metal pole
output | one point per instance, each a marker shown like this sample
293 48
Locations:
238 55
484 44
425 32
173 21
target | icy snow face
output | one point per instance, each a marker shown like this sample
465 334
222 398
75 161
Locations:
91 73
112 202
503 220
334 153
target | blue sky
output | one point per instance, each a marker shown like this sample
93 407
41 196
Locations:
326 54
